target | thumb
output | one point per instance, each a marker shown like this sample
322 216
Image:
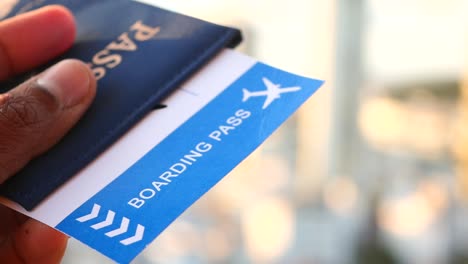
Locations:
36 114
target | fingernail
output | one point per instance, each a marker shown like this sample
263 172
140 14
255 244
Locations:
68 81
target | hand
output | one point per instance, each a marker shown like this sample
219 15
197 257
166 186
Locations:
34 116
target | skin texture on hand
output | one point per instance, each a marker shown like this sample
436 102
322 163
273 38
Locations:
36 115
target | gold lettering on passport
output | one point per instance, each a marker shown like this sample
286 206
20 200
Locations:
108 58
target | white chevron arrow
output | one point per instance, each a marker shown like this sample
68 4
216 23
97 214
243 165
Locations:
140 230
122 229
94 213
109 220
137 237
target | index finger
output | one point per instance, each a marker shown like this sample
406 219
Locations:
33 38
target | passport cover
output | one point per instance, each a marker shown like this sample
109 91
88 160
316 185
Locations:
139 53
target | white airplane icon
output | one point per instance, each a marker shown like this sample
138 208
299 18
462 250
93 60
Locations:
272 93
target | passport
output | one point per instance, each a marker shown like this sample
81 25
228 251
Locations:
139 54
126 172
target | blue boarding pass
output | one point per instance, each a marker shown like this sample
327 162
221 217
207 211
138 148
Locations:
125 198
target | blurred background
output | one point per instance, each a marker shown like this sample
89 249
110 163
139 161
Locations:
373 169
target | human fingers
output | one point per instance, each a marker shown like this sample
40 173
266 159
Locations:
33 38
35 242
37 113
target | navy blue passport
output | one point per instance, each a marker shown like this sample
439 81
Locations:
140 54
